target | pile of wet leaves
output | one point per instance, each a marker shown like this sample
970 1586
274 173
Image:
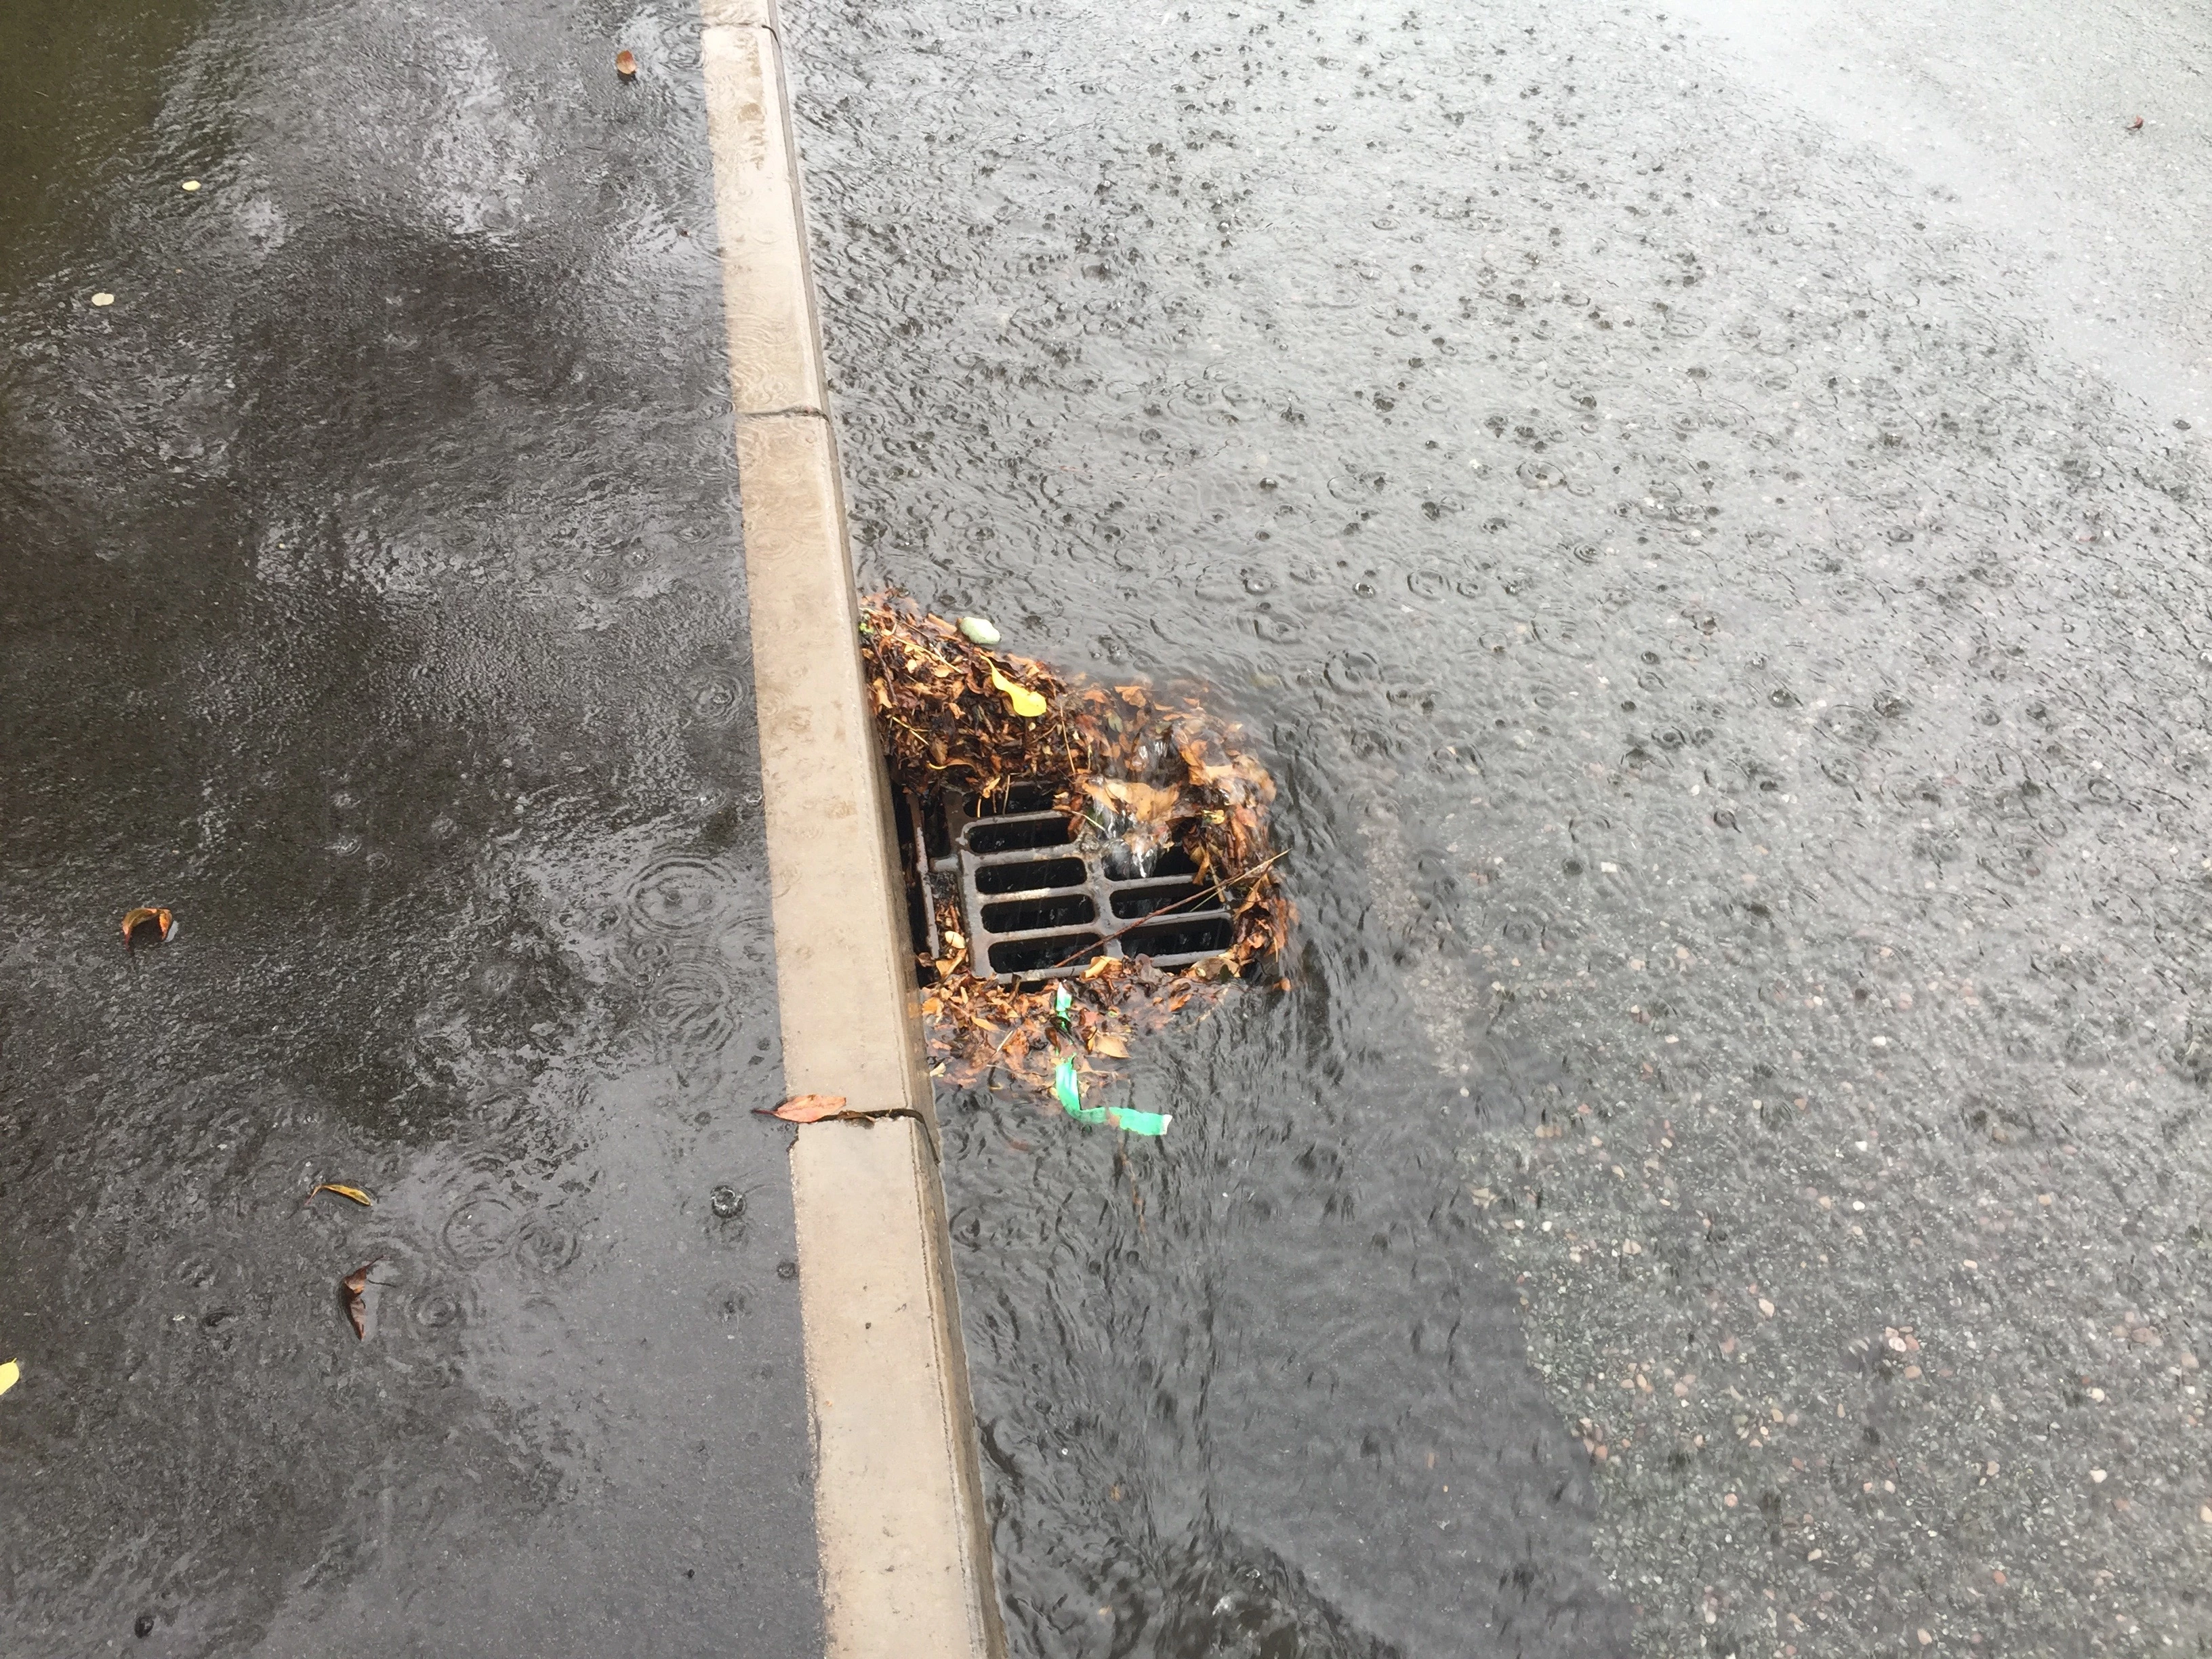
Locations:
959 717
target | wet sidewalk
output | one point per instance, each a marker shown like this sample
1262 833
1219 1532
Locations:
372 600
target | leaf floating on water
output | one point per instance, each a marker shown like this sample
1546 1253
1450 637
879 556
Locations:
626 63
343 1191
979 631
148 925
1019 698
358 1282
1109 1045
10 1374
804 1109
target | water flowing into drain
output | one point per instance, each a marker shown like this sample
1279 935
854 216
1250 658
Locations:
1043 899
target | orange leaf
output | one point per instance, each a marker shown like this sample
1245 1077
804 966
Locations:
353 1192
147 924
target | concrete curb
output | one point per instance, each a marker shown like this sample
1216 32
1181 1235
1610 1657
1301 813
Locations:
906 1570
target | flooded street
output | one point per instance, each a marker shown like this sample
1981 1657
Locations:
1702 515
1714 557
369 600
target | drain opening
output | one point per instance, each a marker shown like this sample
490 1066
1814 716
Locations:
1018 835
1027 915
1018 797
1037 957
1145 900
1027 875
1040 897
1179 941
1085 862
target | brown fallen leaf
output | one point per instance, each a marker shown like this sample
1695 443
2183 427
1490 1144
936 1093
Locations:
343 1191
823 1108
357 1284
1144 802
1109 1045
147 924
804 1109
626 63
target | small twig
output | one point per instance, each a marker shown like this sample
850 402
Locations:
1154 915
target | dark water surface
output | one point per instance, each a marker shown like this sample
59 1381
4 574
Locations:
1737 666
368 597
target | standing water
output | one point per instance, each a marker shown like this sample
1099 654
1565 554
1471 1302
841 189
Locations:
368 600
1727 1175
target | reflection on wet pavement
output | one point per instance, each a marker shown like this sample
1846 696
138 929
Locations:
1731 1169
370 601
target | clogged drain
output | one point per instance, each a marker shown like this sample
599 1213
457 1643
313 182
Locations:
1045 892
1083 862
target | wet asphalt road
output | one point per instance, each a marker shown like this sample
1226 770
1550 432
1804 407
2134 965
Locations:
1704 513
368 596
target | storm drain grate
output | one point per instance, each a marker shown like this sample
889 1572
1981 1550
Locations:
1040 902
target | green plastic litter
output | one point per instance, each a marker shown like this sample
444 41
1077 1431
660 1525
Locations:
1138 1123
1069 1092
1061 1002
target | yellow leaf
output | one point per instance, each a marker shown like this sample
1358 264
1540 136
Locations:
9 1373
353 1192
1022 701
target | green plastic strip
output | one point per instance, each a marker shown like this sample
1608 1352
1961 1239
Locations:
1064 1085
1069 1092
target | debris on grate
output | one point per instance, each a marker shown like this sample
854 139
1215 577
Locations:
1076 876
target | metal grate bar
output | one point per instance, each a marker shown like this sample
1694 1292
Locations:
1018 858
